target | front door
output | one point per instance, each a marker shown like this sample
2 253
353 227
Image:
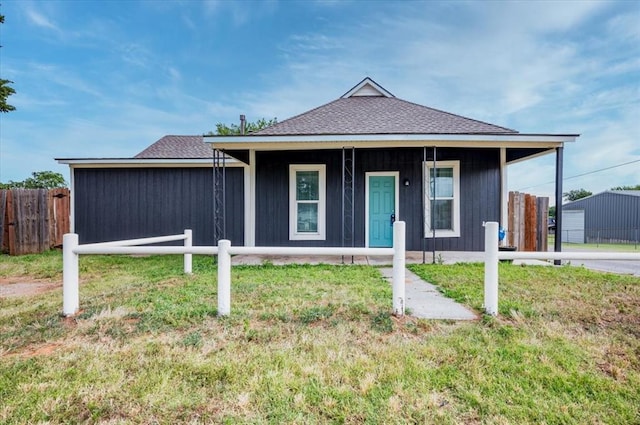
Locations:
381 209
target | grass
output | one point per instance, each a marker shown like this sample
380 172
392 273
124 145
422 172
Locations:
604 247
316 344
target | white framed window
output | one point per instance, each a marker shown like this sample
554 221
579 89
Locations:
307 202
442 199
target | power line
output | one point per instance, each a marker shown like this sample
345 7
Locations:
583 174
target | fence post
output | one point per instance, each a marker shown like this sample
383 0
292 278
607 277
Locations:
224 278
188 258
491 268
70 290
398 268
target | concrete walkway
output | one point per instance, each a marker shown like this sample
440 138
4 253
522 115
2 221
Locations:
426 302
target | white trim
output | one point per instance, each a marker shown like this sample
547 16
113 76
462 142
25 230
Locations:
294 235
396 175
504 191
72 200
374 86
455 165
400 140
142 163
250 213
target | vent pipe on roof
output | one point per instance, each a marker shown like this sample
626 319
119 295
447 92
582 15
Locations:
243 124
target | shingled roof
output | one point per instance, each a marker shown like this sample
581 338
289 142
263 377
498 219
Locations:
370 109
177 147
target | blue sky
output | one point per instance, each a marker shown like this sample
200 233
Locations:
108 78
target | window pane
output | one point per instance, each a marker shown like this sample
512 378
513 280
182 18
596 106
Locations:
442 214
307 186
307 217
443 183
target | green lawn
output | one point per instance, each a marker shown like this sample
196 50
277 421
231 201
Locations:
316 344
608 247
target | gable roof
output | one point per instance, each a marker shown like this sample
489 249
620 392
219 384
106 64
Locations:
367 87
178 147
370 109
379 115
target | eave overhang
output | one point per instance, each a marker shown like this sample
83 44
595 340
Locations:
144 163
333 141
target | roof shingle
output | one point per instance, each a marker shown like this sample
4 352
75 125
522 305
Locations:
379 115
177 147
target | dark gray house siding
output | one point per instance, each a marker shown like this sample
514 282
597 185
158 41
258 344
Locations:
126 203
479 194
610 216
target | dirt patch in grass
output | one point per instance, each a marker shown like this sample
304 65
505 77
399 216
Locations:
42 350
25 286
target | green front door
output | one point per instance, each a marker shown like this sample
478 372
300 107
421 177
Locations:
382 200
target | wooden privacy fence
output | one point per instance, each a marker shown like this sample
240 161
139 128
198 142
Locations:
33 220
528 222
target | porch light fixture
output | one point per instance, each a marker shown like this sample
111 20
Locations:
406 182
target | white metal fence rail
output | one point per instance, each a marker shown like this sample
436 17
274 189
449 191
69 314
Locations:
492 255
72 250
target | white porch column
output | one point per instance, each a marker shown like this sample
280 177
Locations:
504 191
250 200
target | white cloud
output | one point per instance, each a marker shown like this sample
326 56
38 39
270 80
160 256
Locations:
40 20
534 64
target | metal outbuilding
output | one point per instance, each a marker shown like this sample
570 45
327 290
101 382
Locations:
612 216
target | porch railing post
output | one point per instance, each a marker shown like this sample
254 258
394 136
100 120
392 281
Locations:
398 282
224 278
70 281
188 258
491 268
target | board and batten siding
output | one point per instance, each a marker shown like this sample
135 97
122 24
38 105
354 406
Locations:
126 203
479 187
272 196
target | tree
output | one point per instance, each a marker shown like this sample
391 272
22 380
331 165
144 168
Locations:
5 89
636 187
575 194
552 211
250 127
38 180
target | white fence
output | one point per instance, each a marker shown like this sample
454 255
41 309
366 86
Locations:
72 250
492 255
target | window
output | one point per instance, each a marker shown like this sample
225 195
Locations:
307 202
442 199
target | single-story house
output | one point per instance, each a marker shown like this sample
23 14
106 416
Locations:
337 175
610 216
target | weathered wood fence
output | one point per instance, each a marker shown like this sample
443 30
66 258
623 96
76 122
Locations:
528 222
33 220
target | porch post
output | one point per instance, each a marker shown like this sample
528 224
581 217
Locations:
250 201
504 193
557 244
